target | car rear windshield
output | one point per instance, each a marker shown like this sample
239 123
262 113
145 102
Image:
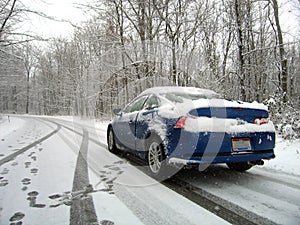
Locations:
181 97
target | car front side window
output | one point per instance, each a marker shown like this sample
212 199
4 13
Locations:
151 103
135 105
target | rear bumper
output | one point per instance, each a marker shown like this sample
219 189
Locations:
216 147
198 159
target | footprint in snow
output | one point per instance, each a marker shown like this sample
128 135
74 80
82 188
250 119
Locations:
109 175
5 171
3 182
66 198
17 223
24 188
16 218
106 222
26 181
14 164
32 196
34 171
120 162
31 154
27 164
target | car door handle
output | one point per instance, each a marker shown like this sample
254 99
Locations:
130 122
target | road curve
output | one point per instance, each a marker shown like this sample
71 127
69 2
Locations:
26 148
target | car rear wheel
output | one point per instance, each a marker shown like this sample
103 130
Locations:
111 141
240 166
155 157
158 167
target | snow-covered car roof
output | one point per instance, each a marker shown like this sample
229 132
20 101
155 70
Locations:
170 89
213 100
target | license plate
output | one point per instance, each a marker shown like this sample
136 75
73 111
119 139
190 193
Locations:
241 144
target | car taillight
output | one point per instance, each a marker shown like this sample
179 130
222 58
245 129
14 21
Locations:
180 123
260 121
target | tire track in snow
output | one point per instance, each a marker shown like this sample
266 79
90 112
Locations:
82 208
22 150
227 210
101 144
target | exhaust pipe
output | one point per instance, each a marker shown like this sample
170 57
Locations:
257 162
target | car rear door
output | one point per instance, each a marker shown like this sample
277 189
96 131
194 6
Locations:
145 121
125 124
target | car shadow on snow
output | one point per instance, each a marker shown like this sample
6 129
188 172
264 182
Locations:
216 175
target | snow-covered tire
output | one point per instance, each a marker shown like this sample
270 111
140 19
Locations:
156 159
111 143
239 166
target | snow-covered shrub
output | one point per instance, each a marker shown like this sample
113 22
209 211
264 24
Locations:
286 117
288 132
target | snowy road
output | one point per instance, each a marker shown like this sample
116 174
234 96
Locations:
260 195
56 171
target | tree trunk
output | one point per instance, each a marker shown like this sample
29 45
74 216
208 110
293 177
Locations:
241 60
283 60
27 92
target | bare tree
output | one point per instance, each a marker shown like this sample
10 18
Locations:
283 74
7 9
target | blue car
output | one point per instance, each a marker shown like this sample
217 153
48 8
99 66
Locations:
186 126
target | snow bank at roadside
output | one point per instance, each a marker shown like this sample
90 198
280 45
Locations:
287 156
9 124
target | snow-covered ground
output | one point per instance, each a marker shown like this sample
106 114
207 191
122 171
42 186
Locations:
287 157
35 187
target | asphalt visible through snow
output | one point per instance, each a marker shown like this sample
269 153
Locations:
229 211
82 206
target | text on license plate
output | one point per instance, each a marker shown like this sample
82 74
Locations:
241 144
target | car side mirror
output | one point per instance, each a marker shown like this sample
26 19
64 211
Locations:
117 112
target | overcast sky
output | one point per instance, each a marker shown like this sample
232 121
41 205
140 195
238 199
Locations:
59 9
66 10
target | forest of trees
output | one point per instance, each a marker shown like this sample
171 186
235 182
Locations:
234 47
